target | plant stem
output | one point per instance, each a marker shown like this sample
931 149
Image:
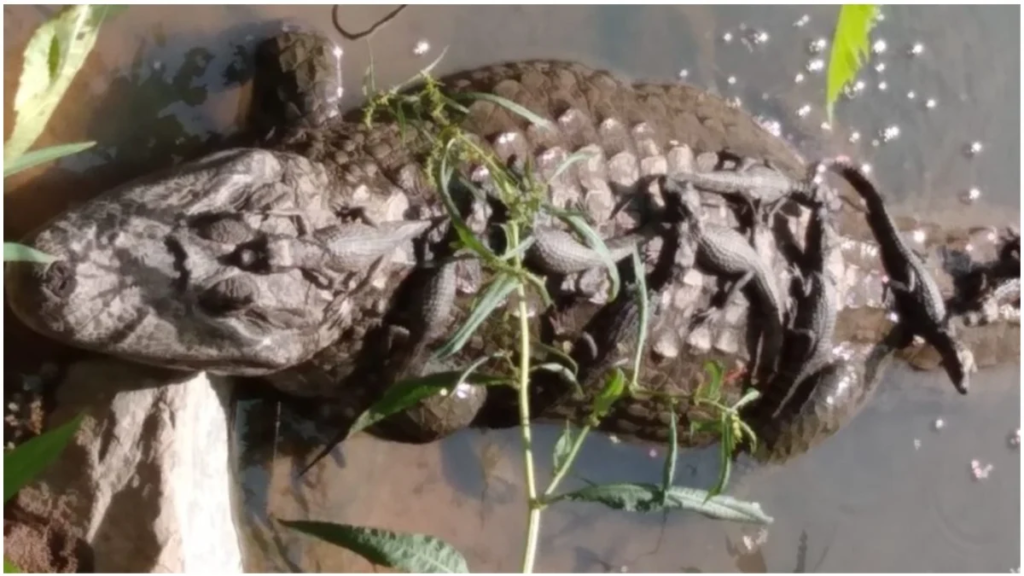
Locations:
560 474
533 520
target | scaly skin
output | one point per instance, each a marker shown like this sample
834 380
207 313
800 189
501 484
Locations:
135 267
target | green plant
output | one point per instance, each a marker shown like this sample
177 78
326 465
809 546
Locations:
28 460
53 56
850 49
433 115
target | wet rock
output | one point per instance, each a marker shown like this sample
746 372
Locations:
144 486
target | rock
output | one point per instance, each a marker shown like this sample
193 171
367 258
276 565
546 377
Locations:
146 482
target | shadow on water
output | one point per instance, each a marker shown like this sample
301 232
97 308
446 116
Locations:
168 83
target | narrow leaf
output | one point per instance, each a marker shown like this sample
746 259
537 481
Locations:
10 568
850 49
508 104
594 241
14 252
416 553
562 356
647 498
568 162
726 445
492 297
612 391
37 157
408 392
748 397
26 461
641 338
563 448
713 389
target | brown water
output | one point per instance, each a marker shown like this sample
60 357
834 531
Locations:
165 83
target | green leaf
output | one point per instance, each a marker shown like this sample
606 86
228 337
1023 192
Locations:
14 252
669 472
492 297
748 397
594 241
726 445
10 568
612 391
466 236
647 498
563 448
564 358
416 553
36 157
572 159
408 392
712 388
26 461
850 49
508 104
55 53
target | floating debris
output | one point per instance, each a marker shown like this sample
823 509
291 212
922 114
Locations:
890 133
883 85
816 65
727 37
421 48
802 21
980 471
973 149
893 317
879 46
755 541
799 77
825 126
916 49
880 67
804 110
817 46
911 95
939 424
731 80
854 137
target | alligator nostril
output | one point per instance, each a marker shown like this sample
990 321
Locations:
59 279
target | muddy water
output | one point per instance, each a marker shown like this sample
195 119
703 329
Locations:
889 493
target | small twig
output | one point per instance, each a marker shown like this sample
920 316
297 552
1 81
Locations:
350 36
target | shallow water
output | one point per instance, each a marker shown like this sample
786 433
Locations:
168 82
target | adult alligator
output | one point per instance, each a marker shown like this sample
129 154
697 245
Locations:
211 264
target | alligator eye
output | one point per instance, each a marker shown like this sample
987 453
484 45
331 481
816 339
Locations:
251 256
227 296
59 280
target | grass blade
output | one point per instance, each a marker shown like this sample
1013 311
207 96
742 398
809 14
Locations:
726 444
41 156
26 461
509 105
495 294
14 252
408 392
595 242
415 553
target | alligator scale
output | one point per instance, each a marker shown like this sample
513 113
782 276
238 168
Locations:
317 257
